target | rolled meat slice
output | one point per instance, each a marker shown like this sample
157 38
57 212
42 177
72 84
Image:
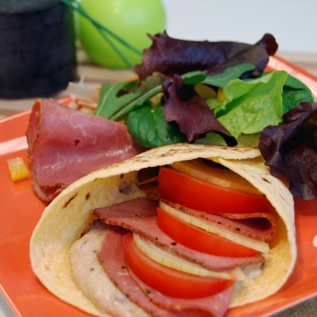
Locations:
65 144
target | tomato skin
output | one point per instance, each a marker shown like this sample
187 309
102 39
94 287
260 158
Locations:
170 282
199 195
198 239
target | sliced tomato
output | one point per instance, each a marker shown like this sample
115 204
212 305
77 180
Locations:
199 239
166 280
193 193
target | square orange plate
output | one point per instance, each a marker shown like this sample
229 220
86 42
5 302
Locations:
20 210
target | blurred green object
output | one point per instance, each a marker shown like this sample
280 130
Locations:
131 20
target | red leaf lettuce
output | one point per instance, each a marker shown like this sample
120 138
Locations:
170 56
190 111
290 149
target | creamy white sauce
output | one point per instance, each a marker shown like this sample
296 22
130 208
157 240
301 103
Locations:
91 278
253 271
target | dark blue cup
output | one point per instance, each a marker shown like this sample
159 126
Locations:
37 48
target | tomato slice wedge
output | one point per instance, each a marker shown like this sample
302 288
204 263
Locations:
193 193
166 280
199 239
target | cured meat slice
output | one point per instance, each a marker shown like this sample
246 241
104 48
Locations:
258 225
215 305
111 256
139 216
65 144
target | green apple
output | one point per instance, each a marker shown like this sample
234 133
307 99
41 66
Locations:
131 20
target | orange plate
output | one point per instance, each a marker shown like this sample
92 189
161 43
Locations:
20 210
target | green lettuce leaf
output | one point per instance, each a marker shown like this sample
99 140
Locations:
149 128
251 105
294 92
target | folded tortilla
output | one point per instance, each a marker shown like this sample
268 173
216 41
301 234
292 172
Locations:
68 215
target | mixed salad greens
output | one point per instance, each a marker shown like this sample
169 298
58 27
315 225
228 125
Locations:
220 93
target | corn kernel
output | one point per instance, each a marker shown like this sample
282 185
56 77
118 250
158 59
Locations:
221 95
18 169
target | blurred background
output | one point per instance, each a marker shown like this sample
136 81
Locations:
292 22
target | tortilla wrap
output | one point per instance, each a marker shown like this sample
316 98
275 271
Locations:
68 215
